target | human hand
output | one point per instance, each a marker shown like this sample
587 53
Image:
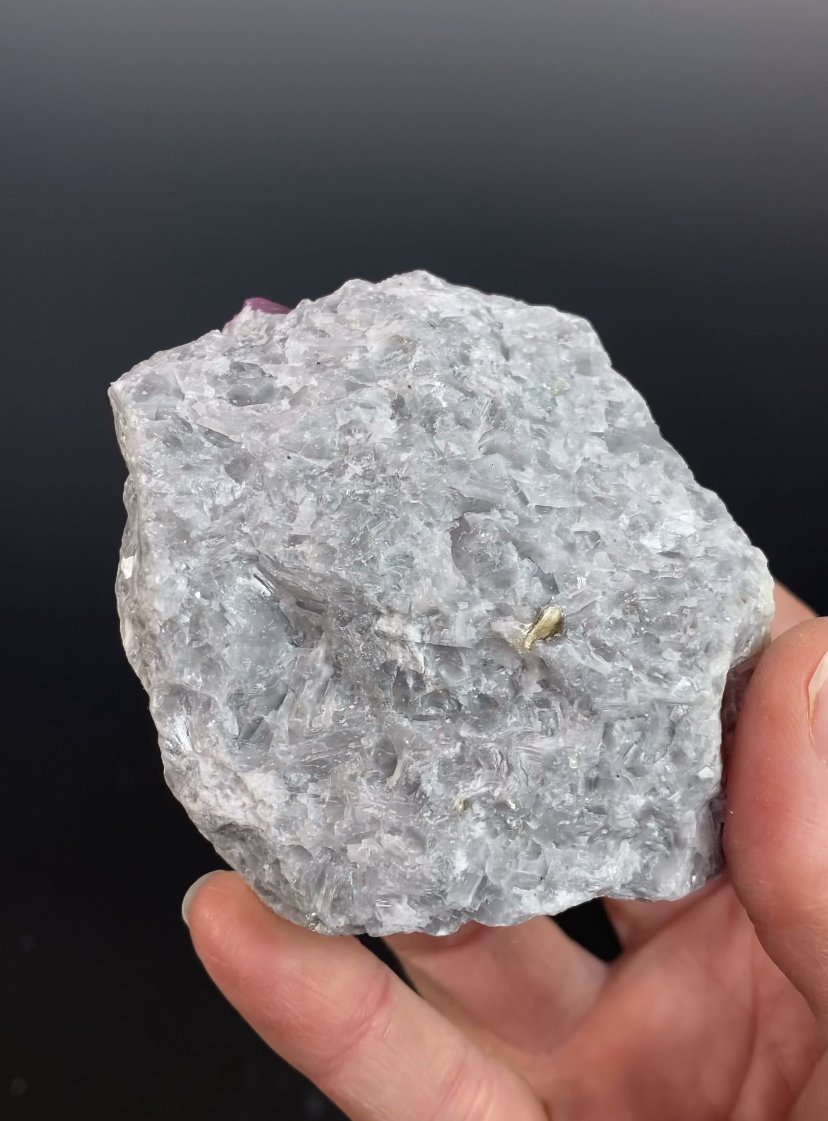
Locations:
716 1009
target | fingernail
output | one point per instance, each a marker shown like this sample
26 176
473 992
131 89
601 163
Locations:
192 891
818 706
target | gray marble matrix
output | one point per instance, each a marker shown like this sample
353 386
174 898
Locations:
343 524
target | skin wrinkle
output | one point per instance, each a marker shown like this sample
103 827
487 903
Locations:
455 1087
369 1026
771 1046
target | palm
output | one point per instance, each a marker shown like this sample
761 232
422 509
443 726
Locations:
701 1024
737 1039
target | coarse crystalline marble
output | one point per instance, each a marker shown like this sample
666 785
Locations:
434 624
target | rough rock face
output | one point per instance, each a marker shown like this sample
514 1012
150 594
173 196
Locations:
434 624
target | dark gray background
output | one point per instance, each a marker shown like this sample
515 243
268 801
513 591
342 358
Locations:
659 167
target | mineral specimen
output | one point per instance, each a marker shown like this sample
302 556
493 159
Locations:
435 626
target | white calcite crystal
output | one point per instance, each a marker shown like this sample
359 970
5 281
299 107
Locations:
434 624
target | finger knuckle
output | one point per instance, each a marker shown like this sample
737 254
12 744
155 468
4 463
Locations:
464 1092
360 1028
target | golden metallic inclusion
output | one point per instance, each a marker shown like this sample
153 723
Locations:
549 622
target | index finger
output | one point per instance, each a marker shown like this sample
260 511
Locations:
335 1012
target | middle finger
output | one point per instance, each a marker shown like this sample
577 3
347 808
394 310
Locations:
518 989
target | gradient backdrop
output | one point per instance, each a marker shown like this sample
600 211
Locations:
659 167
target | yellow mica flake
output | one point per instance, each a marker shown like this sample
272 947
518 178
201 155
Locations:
549 622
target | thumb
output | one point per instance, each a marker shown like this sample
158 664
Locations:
776 830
